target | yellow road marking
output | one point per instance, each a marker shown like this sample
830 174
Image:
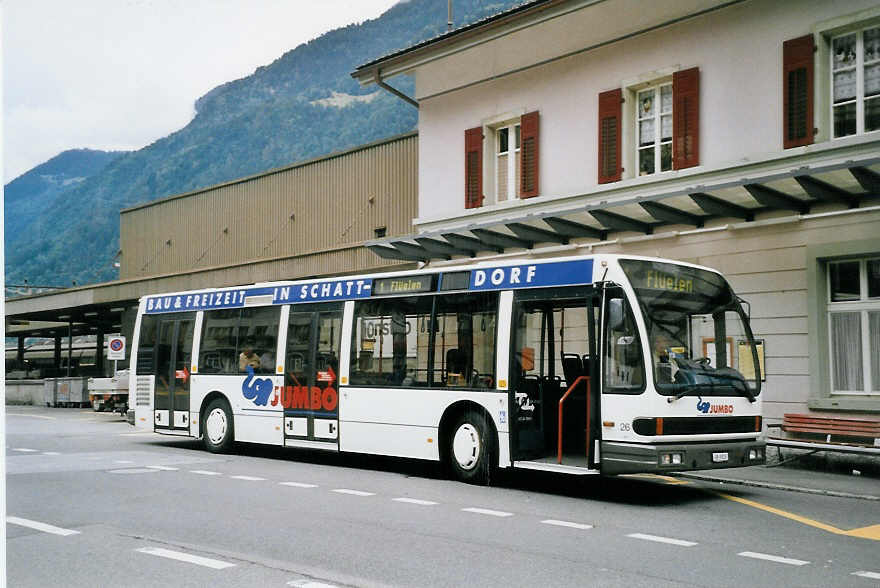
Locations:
872 532
667 479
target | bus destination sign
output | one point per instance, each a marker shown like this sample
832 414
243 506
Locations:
403 285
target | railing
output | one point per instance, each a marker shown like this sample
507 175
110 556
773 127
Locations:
561 401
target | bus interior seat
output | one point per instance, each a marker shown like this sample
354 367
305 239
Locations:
572 367
531 385
455 367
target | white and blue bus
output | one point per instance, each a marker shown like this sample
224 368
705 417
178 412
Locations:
602 364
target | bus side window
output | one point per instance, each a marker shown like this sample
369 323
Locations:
464 340
258 330
146 345
217 353
624 364
389 342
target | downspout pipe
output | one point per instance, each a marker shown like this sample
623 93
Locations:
395 91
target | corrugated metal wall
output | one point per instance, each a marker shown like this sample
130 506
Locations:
304 220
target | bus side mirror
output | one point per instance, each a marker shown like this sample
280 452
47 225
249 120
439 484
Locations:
615 314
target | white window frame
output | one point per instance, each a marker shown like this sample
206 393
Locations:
657 86
863 306
859 67
514 131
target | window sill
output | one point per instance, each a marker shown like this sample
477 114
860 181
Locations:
847 403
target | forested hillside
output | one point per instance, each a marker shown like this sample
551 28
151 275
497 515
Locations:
296 108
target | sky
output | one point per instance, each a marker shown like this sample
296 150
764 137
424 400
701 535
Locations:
120 74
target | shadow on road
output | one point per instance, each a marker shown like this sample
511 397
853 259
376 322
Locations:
619 490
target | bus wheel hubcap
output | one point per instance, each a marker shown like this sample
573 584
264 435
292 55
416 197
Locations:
466 446
215 425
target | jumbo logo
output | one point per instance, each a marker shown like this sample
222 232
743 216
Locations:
260 390
257 389
707 408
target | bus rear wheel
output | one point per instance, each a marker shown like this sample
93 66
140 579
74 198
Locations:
469 449
217 429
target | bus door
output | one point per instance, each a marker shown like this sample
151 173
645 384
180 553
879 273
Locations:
173 358
554 352
310 397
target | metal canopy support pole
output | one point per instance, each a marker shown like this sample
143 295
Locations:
69 345
57 356
19 355
99 352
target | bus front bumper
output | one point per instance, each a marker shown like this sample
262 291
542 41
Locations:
631 458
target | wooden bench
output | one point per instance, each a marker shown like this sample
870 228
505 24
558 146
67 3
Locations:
828 433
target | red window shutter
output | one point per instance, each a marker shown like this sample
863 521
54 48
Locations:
609 136
529 155
473 167
686 118
797 92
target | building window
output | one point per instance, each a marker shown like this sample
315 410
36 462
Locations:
508 161
511 155
855 82
661 126
654 129
854 325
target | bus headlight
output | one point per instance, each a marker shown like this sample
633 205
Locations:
671 458
756 453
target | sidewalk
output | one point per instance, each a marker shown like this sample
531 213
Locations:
832 476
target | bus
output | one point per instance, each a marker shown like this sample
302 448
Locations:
600 364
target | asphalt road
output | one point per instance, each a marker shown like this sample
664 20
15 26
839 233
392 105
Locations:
90 502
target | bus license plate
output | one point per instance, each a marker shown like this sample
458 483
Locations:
719 457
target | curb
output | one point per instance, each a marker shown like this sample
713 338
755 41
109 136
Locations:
773 486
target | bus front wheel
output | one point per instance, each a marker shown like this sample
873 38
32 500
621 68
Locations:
469 448
217 430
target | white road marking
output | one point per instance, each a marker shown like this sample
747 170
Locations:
25 450
658 539
123 461
486 511
193 559
41 526
774 558
51 453
137 433
163 468
353 492
871 575
310 584
567 524
205 473
298 485
32 416
248 478
416 501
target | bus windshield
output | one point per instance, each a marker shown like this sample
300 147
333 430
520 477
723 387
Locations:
700 340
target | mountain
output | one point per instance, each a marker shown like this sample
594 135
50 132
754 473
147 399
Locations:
27 196
302 105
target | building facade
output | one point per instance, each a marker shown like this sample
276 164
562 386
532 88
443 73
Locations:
741 135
